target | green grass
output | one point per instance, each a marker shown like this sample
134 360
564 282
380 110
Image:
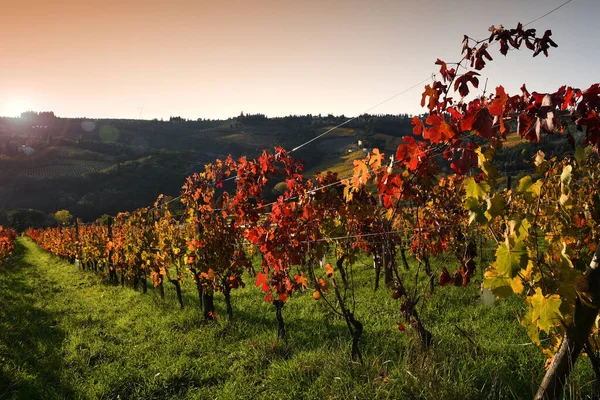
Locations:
343 165
65 333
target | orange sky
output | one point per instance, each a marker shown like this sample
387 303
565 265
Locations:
214 59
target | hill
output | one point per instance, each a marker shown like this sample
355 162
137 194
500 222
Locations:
96 167
93 167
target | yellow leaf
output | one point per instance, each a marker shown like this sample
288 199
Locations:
545 310
532 330
375 159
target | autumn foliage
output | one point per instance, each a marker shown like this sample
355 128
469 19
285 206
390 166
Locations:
7 243
545 229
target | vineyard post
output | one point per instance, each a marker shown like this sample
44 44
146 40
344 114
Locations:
377 266
161 287
279 317
574 339
111 270
227 293
77 256
207 303
389 259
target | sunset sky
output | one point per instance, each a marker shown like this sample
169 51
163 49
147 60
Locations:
214 59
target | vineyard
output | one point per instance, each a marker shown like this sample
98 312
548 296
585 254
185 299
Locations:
64 170
7 243
418 230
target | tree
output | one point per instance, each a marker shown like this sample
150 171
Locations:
23 218
63 217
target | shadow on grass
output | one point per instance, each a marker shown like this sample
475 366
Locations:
30 339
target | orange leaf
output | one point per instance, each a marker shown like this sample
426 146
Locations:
328 270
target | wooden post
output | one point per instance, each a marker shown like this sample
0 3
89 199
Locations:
112 273
77 255
575 338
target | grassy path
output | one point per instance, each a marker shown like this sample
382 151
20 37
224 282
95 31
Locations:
64 333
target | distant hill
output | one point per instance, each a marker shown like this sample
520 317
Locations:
93 167
103 166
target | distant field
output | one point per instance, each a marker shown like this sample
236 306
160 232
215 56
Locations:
513 139
391 142
339 132
64 170
246 139
77 153
342 165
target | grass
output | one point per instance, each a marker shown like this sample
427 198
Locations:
343 165
65 333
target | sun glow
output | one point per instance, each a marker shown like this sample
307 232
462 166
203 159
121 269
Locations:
13 107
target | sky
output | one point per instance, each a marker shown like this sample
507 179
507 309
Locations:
214 59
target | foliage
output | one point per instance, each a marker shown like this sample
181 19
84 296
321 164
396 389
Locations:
21 219
7 243
63 216
84 344
545 228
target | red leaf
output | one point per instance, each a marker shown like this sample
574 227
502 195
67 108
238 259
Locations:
433 97
480 121
498 106
439 131
283 296
467 160
570 98
461 82
444 277
447 74
418 126
592 124
526 93
454 113
261 279
543 44
525 127
410 153
590 99
478 55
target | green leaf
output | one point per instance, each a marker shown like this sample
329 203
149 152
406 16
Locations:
495 206
520 229
524 184
486 165
511 261
545 310
529 189
500 285
476 190
476 211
